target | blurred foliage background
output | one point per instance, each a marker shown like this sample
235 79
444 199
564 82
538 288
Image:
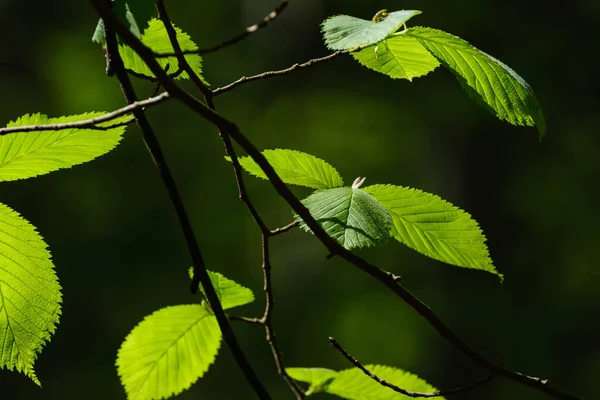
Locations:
120 256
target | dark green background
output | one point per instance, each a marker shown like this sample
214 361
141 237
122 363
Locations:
120 256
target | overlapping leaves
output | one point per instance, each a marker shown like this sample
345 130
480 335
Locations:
136 13
353 384
357 217
29 293
173 347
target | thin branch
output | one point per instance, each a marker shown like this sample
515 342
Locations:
284 229
254 321
155 151
272 74
237 38
91 123
405 392
385 278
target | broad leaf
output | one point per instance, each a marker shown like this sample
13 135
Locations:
399 57
490 82
353 384
230 293
157 39
344 32
136 13
296 168
318 378
168 351
29 293
434 227
350 216
27 154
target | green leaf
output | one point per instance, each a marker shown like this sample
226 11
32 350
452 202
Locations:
487 80
353 384
350 216
136 13
296 168
168 351
29 293
231 294
157 39
399 57
434 227
318 378
27 154
344 32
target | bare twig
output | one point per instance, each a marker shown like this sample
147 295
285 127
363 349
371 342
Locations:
91 123
272 74
385 278
237 38
284 229
155 151
405 392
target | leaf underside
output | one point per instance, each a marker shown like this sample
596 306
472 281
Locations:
296 168
157 39
434 227
168 351
29 293
343 32
400 57
230 293
28 154
350 216
487 80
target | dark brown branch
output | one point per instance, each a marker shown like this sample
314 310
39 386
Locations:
335 249
91 123
272 74
405 392
237 38
151 141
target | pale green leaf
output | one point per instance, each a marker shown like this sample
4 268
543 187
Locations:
296 168
136 13
157 39
168 351
350 216
29 293
434 227
400 57
490 82
27 154
353 384
318 378
231 294
343 32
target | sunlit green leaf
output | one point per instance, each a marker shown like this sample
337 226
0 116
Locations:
434 227
157 39
136 13
350 216
343 32
230 293
27 154
168 351
487 80
400 57
29 293
353 384
296 168
318 378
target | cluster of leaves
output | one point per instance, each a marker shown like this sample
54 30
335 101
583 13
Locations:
361 217
173 347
